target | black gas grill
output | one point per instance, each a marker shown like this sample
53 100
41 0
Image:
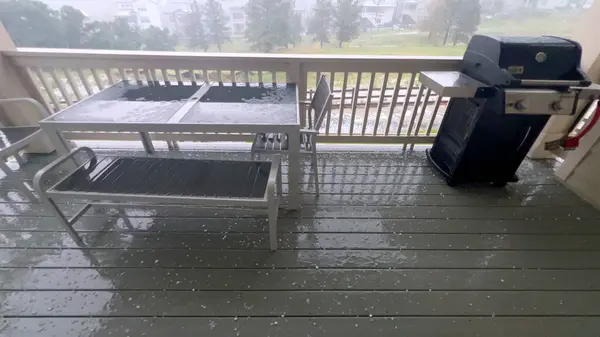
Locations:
501 100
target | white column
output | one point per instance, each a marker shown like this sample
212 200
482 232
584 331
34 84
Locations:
584 34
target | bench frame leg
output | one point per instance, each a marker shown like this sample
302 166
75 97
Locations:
20 185
275 194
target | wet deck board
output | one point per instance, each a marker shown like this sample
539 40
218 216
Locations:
387 238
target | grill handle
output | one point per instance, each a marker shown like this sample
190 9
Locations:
554 83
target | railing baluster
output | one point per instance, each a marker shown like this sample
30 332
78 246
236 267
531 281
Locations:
247 77
219 76
355 102
72 83
123 74
154 75
380 103
414 114
61 87
342 103
149 78
192 76
179 77
274 78
421 115
260 77
165 76
136 75
406 102
233 79
47 87
368 104
328 120
97 78
317 77
433 115
109 76
84 81
393 103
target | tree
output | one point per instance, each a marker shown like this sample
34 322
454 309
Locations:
467 20
296 29
158 39
32 24
320 21
72 26
268 24
195 28
98 35
127 36
459 17
217 29
346 20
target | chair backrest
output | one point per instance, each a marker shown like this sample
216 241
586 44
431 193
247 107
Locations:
321 102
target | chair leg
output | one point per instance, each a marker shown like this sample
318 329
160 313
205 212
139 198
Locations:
17 182
315 165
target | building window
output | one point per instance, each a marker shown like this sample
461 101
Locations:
142 9
144 19
126 6
238 15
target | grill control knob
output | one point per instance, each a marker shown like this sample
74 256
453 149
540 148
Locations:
520 105
556 106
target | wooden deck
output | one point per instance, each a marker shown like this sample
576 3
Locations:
387 250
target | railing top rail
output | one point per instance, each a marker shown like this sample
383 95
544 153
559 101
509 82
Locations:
124 54
76 58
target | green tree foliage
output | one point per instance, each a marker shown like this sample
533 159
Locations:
34 24
194 28
158 39
456 18
467 20
72 26
346 21
296 29
217 28
320 21
268 24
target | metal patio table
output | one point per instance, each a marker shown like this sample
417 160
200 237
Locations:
142 107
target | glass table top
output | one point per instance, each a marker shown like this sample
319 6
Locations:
131 102
246 105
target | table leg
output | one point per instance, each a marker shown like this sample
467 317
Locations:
147 142
294 170
58 142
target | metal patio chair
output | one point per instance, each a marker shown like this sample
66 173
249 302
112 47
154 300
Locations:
14 139
317 110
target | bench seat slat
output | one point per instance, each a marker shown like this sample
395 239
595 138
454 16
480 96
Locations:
171 176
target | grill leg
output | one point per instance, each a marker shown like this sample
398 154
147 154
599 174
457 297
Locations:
17 182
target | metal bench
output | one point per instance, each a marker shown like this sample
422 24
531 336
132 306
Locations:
151 181
15 138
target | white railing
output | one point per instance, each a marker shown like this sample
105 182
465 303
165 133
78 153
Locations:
378 99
